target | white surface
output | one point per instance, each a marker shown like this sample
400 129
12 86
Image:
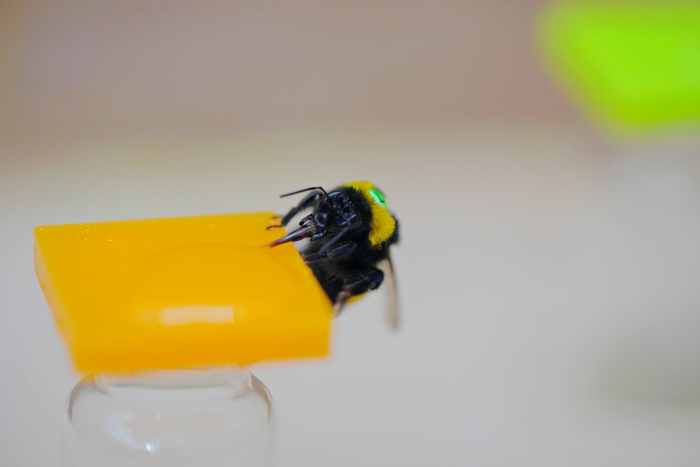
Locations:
546 322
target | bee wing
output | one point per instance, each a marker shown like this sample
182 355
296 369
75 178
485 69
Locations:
391 295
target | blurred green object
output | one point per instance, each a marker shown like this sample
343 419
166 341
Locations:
633 66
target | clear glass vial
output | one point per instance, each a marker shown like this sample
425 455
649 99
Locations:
182 418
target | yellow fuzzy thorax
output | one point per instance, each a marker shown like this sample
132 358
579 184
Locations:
383 223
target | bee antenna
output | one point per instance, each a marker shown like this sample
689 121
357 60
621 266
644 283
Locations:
305 189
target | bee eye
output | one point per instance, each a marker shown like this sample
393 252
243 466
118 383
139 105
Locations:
321 219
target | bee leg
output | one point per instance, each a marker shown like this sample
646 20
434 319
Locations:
358 281
336 253
307 201
275 226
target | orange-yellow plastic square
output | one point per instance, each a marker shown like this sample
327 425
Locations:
180 292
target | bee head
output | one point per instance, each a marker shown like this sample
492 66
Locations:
334 215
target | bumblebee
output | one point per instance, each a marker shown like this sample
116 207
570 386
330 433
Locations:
350 233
